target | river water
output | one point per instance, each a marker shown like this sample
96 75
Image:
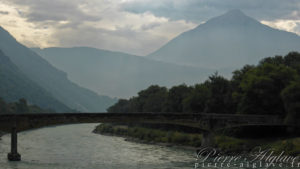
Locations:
75 146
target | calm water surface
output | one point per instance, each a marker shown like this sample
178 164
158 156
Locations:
75 146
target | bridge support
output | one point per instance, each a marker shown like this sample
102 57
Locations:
14 155
208 136
208 139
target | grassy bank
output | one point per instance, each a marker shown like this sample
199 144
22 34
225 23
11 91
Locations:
290 146
150 135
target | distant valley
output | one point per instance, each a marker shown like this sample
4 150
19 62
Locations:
118 74
90 80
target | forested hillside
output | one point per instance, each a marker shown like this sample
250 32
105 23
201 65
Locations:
271 87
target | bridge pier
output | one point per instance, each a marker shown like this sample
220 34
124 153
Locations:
208 139
208 136
14 155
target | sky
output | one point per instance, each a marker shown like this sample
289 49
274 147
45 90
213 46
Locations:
133 26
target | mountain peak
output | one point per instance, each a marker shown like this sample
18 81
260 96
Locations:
232 17
227 41
234 12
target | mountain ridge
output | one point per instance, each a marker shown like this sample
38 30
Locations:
51 79
14 85
227 41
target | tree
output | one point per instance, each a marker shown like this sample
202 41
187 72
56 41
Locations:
238 75
291 99
277 60
261 87
212 96
175 98
293 60
196 101
219 100
122 106
152 99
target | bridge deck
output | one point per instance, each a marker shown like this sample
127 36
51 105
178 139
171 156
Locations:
199 120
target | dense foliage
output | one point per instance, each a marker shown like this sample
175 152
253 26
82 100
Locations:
271 87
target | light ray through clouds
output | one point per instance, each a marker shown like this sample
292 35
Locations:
133 26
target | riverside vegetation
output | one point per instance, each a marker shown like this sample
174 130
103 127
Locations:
291 146
270 88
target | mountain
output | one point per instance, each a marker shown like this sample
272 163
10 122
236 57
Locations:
227 42
118 74
15 85
52 80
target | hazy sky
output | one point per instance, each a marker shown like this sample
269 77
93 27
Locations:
132 26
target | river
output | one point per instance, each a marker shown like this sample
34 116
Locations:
75 146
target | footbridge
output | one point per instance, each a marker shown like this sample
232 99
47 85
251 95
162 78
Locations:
208 122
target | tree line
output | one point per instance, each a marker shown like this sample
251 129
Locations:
270 88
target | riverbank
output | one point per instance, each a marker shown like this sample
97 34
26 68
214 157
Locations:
291 146
151 136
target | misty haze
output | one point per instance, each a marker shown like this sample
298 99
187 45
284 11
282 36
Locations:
165 79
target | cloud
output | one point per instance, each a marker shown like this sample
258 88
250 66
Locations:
110 39
139 40
96 23
26 32
287 25
133 26
55 10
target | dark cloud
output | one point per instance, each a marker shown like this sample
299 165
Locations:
198 11
4 12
